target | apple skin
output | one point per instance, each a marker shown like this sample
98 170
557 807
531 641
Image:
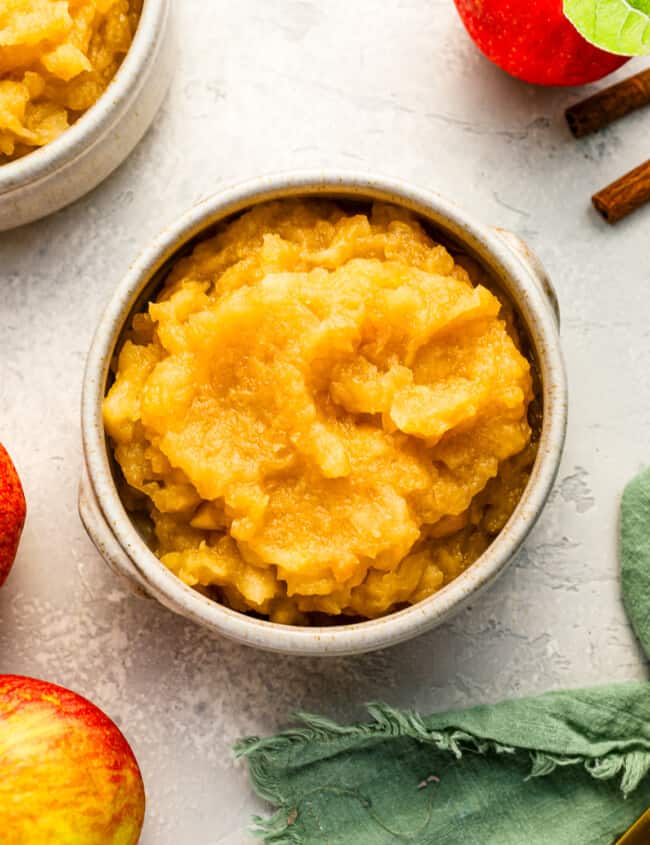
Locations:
12 513
67 774
534 41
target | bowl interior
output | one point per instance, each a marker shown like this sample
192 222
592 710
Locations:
458 237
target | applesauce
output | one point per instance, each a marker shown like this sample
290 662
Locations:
56 59
322 412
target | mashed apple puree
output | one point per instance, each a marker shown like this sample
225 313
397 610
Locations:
56 59
321 413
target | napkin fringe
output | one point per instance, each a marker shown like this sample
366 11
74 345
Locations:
276 830
262 756
632 765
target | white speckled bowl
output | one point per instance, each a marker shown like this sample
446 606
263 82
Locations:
108 524
55 175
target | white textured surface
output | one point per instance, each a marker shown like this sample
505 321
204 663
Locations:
397 88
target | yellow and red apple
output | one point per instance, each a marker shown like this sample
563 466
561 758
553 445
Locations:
12 513
67 774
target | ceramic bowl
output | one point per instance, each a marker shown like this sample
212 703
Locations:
55 175
502 254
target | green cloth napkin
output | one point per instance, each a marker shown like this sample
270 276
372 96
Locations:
635 555
565 768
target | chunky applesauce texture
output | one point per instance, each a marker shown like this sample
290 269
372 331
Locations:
56 59
322 413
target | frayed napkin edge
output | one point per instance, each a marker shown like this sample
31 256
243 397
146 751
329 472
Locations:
261 755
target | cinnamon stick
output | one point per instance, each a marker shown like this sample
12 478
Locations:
639 833
624 195
609 105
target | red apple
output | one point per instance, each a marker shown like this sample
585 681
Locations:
67 775
12 513
534 41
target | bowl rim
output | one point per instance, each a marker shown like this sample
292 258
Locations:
400 625
123 89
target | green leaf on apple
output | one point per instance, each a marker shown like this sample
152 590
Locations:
618 26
